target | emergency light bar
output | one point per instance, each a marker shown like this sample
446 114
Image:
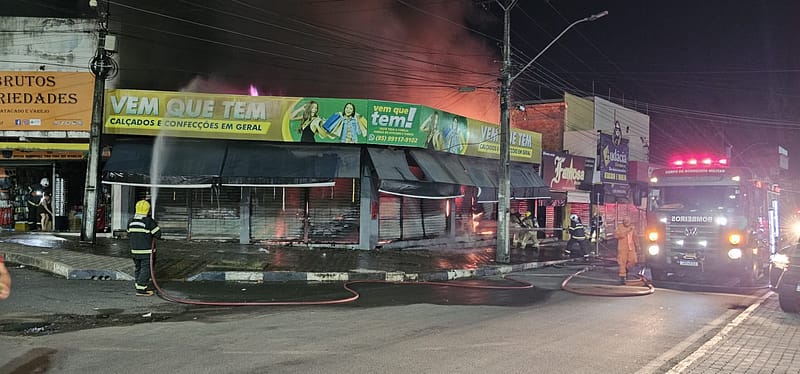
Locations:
706 161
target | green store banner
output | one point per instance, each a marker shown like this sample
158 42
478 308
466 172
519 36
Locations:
308 120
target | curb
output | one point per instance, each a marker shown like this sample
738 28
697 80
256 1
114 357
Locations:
362 275
64 270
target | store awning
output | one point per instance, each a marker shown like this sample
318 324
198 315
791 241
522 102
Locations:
170 162
441 167
282 165
396 177
485 174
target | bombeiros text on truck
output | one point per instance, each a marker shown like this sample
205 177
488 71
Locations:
706 217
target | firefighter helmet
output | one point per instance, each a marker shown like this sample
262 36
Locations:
528 213
45 182
142 207
573 217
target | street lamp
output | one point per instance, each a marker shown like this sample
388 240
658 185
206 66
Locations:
504 192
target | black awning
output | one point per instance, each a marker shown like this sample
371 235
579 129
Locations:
483 172
264 164
396 177
526 183
169 162
441 167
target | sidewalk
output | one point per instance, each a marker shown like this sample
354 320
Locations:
108 259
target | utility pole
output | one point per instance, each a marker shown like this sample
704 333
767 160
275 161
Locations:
503 252
101 67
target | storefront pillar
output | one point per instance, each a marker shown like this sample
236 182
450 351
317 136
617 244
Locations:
369 211
244 216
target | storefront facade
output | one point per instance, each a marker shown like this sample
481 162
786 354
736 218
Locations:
262 169
44 131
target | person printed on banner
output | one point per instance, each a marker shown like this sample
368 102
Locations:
452 138
310 121
346 125
142 230
577 235
5 280
430 126
627 257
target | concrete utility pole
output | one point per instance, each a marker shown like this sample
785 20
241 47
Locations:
503 253
101 67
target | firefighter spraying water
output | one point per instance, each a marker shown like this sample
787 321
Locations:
707 218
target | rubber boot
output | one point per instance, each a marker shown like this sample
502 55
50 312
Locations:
621 281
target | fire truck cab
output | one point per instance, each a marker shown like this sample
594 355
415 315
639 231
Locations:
705 217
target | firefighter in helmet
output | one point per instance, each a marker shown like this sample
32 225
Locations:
527 223
577 235
142 230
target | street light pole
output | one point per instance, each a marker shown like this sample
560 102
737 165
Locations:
503 253
101 67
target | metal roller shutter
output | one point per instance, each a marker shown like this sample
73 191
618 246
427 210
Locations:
434 221
215 213
389 219
334 212
277 213
172 211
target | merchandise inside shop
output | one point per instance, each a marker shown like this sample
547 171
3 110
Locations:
29 190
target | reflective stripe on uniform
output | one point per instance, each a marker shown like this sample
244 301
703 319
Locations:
141 251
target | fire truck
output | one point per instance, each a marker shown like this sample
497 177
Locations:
706 218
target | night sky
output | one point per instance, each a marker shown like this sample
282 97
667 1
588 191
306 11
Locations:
709 73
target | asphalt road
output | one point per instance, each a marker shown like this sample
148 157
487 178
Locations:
389 329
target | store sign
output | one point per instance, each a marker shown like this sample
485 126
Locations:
317 120
45 101
565 172
613 158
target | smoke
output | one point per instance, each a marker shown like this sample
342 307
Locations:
419 52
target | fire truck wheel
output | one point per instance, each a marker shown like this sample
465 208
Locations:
790 303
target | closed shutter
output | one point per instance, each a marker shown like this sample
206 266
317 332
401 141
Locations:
277 213
334 212
464 210
215 213
433 218
389 218
171 211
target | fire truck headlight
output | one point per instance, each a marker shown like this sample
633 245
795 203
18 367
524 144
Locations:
780 260
703 243
679 242
653 250
796 228
734 239
735 253
722 221
652 236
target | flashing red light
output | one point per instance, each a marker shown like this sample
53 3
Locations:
692 161
723 161
706 161
678 162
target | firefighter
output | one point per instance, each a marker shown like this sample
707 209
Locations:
142 230
577 235
526 234
626 248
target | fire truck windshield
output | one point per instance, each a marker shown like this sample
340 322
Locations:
695 197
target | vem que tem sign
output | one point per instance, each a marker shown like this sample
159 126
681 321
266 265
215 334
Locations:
45 101
190 114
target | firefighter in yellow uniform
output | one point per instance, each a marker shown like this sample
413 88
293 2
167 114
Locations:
527 232
626 248
142 229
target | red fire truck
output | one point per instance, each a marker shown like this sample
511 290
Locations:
704 217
